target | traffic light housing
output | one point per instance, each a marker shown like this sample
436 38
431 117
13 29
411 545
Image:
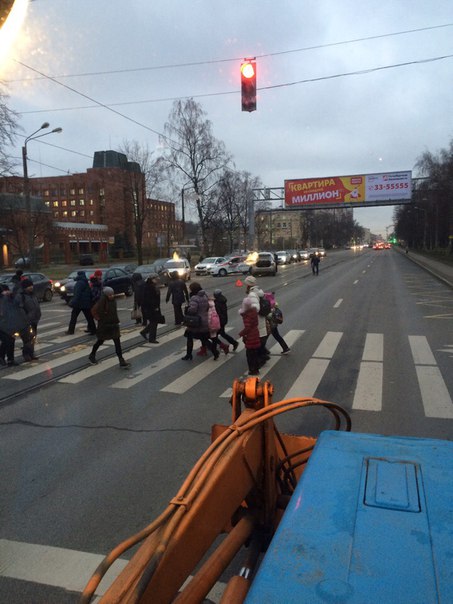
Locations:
248 85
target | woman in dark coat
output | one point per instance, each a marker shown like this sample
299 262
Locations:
108 325
150 304
199 305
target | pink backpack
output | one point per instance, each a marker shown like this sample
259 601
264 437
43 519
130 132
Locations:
213 318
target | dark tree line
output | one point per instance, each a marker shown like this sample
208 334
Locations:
427 222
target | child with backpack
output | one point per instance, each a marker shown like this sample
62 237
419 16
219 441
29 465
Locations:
250 335
275 319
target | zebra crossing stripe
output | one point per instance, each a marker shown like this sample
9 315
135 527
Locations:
435 397
368 391
309 379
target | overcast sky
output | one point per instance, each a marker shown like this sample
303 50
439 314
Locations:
135 56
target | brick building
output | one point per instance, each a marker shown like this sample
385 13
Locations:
102 199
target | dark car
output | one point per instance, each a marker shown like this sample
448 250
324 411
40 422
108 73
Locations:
42 285
114 277
155 268
86 260
129 268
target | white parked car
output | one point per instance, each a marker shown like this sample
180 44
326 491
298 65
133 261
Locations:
204 267
231 266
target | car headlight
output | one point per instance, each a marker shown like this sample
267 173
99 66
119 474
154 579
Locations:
62 288
57 284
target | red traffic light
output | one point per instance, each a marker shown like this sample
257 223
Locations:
248 85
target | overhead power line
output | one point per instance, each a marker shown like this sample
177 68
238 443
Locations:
235 59
211 94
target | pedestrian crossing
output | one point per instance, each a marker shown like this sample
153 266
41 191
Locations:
367 389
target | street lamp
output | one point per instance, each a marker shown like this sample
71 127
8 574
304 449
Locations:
30 228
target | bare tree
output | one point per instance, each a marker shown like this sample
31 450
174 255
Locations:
8 131
146 176
194 156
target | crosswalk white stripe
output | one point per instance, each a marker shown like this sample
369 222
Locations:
54 566
194 376
328 345
147 372
65 568
47 366
421 351
83 374
436 399
368 391
309 379
374 347
290 338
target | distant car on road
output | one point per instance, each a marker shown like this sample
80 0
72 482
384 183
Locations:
233 265
42 285
181 266
157 268
304 254
283 257
264 265
204 267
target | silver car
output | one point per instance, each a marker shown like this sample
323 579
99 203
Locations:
264 265
204 267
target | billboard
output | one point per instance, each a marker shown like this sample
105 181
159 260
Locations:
360 190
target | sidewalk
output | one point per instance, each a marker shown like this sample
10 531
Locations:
438 269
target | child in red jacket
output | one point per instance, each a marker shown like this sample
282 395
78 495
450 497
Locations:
250 335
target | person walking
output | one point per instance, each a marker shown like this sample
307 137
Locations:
81 302
177 291
16 279
198 306
96 286
150 305
12 321
28 302
221 306
255 293
275 319
315 264
250 335
137 286
108 328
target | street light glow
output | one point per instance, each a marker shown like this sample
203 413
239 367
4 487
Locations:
12 16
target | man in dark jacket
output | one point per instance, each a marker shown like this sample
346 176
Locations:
177 291
108 326
12 321
81 301
150 304
28 302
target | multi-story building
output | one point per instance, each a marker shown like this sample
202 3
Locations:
97 210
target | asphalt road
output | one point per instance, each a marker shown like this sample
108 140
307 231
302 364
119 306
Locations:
90 455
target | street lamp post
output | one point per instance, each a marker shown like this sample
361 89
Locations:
30 226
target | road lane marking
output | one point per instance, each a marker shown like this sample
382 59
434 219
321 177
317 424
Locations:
435 397
355 282
83 374
338 303
309 379
147 372
290 338
421 351
374 347
368 390
66 568
54 566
